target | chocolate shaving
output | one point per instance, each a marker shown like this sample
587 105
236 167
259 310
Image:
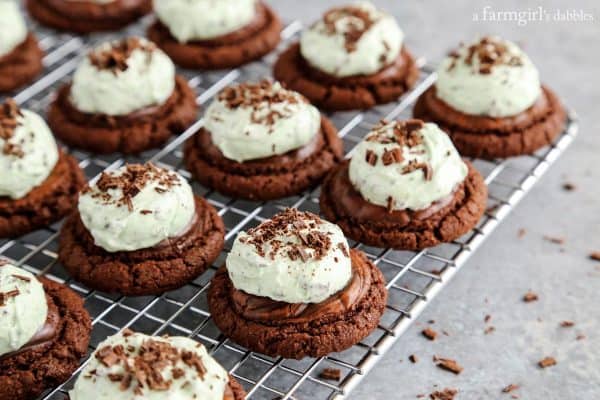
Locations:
371 157
529 297
9 112
131 181
413 358
414 165
358 22
448 365
294 223
115 57
510 388
192 360
429 333
445 394
547 362
392 156
595 256
22 278
7 295
332 374
567 324
491 52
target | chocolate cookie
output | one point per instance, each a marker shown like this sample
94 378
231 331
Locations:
265 179
45 204
337 94
229 51
87 16
489 138
300 330
21 65
374 225
28 372
167 266
133 133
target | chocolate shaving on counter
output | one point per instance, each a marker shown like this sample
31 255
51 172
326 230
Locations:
358 22
293 223
7 295
131 182
445 394
555 240
332 374
569 187
595 255
413 358
429 333
448 364
9 112
547 362
567 324
510 388
529 297
491 52
115 57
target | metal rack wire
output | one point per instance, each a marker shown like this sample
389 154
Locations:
413 278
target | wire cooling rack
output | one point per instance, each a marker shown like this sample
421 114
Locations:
413 278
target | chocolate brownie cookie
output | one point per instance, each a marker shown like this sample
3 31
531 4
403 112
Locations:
319 330
353 58
292 288
54 353
128 106
338 94
130 364
406 188
46 203
489 138
262 142
39 182
407 230
165 237
21 65
199 47
489 99
87 16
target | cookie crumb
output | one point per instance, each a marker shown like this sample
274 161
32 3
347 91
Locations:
429 333
448 364
332 374
547 362
521 233
413 358
529 297
595 256
445 394
510 388
487 318
567 324
569 187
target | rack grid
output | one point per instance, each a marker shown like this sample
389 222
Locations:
413 278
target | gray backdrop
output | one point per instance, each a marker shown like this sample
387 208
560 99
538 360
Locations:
495 279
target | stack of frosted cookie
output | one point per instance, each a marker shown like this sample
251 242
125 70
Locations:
292 286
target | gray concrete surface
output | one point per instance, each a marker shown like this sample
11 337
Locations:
496 278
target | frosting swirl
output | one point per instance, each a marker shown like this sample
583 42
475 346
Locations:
23 307
295 257
353 40
190 20
258 120
13 30
406 165
28 152
490 77
136 207
136 366
118 78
